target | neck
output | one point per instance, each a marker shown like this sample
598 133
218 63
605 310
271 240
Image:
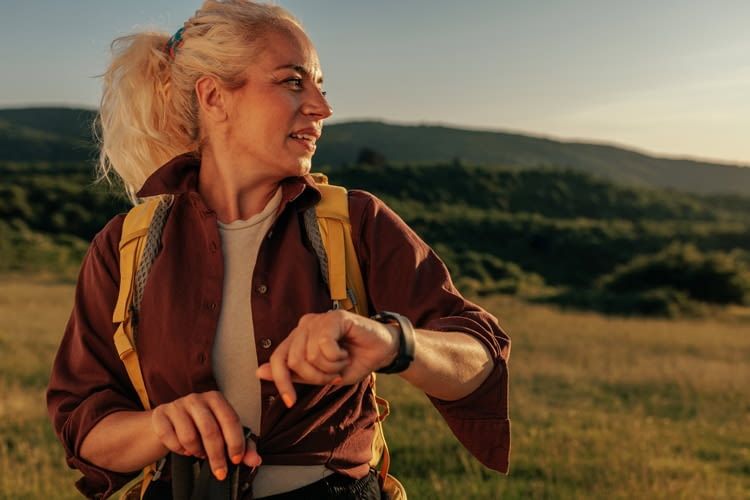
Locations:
234 192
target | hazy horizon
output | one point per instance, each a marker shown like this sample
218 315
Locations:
669 80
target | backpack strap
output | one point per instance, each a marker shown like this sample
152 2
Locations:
139 245
330 232
329 229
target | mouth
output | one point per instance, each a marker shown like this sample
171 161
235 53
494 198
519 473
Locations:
307 141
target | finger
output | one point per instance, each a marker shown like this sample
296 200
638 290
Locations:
303 370
165 431
229 423
213 440
186 431
251 457
309 374
281 375
264 372
296 355
328 368
329 349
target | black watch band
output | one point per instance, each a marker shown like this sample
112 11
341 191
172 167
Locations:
405 341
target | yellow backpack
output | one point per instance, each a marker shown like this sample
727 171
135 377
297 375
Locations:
332 240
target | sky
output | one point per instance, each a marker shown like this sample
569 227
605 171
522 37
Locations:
667 77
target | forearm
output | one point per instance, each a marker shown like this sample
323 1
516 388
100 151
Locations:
448 365
123 442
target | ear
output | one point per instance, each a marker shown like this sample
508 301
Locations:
211 98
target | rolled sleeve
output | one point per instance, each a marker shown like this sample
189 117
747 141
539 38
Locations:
403 274
88 381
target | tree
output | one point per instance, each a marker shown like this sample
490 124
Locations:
369 156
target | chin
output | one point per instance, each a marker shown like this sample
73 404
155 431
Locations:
304 167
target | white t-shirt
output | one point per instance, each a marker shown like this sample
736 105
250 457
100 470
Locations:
234 357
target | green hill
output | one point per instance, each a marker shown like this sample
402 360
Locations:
429 144
494 206
560 234
59 134
46 134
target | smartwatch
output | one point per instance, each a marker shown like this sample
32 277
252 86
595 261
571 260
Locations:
405 341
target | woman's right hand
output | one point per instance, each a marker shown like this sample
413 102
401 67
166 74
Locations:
204 425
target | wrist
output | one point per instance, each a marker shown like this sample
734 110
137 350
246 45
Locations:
405 343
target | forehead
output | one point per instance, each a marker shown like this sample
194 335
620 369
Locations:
291 51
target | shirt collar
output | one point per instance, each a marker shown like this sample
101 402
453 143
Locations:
180 175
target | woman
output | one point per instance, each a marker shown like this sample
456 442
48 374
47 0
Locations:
235 323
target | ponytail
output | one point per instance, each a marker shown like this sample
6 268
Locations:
136 133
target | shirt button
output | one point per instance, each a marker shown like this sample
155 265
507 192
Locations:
245 486
262 289
212 247
212 306
201 358
266 343
270 400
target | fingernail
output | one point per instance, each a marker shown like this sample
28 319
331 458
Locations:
236 459
288 401
337 380
220 474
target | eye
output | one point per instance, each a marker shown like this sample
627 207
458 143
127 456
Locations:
297 83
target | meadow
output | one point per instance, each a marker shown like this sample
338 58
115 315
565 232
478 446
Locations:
602 407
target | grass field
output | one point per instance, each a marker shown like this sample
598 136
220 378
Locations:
601 407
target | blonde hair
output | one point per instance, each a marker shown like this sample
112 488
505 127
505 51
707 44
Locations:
149 112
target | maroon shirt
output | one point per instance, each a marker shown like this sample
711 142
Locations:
331 425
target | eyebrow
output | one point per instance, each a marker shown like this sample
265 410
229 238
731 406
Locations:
299 69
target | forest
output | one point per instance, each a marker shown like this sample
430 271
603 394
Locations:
545 234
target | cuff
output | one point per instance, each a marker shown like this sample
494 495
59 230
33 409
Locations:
480 420
97 481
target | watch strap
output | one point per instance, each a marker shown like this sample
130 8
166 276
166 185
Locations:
406 341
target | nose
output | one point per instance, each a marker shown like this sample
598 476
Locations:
317 105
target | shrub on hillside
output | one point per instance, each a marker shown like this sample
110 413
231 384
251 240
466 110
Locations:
665 301
715 277
477 273
23 250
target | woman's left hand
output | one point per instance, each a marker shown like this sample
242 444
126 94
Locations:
335 347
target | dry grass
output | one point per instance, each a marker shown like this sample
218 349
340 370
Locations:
32 317
602 407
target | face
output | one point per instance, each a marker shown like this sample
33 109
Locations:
275 119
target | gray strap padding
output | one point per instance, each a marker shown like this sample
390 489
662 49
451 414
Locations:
150 251
313 234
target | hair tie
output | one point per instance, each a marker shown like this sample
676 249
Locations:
175 42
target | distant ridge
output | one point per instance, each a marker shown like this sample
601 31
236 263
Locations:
57 134
432 143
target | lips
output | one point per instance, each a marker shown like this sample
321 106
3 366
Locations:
306 138
306 142
309 132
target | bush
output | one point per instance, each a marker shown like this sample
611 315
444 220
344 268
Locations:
656 302
28 251
715 277
484 274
